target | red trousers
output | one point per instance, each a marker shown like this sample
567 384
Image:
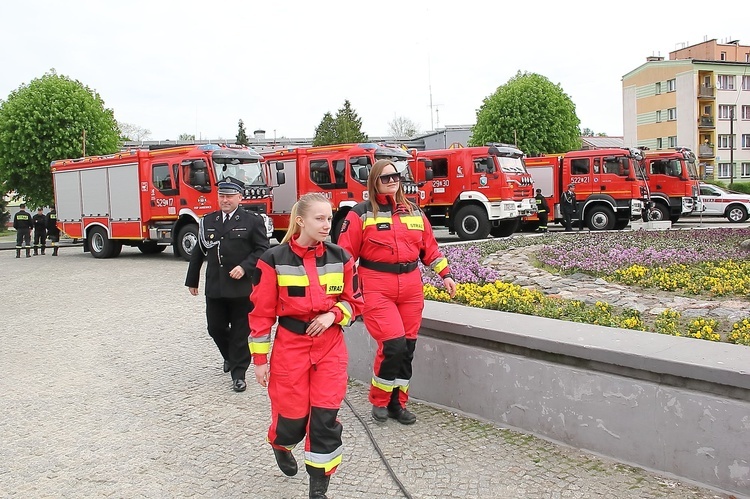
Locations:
392 315
306 384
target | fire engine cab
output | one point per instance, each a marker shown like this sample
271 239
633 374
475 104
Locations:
338 171
673 183
476 191
151 198
610 187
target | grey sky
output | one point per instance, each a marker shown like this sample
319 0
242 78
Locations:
198 67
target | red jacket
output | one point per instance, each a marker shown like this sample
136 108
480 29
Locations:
394 236
300 282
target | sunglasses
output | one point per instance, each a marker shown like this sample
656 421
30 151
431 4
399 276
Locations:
389 178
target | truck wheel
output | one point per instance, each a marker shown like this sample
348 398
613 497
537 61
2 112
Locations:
187 241
600 218
100 245
674 219
472 223
150 247
657 214
506 228
736 213
116 249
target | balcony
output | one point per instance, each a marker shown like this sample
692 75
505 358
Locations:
706 122
706 92
706 151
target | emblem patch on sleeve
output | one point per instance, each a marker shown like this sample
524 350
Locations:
344 226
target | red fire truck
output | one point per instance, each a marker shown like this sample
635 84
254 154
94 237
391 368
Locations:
673 183
476 191
338 171
610 187
151 198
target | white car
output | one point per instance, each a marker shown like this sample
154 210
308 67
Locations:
715 201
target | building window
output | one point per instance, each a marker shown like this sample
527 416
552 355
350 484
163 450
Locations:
746 112
724 170
672 113
672 141
671 85
659 144
745 82
723 56
726 111
658 87
746 140
746 169
658 116
726 141
725 82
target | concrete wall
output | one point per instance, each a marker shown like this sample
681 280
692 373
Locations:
676 405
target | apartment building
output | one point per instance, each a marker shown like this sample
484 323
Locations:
699 98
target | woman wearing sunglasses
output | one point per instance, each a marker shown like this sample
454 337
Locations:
389 235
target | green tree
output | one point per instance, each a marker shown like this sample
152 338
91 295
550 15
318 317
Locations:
349 125
529 111
242 135
53 117
345 128
325 133
186 136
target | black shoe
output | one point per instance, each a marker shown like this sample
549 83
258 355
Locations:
226 366
285 460
379 414
239 385
319 486
402 415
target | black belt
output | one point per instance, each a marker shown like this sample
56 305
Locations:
391 268
296 326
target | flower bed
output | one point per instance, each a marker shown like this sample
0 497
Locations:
696 261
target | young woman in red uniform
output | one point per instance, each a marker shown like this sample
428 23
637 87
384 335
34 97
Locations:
388 235
313 289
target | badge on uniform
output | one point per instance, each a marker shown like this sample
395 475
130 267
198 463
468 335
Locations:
383 226
344 226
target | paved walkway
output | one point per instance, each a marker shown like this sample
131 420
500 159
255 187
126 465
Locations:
111 387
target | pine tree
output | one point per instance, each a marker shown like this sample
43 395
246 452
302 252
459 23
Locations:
325 133
348 125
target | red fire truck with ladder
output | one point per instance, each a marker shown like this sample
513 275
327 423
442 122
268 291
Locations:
673 183
610 187
476 191
338 171
152 198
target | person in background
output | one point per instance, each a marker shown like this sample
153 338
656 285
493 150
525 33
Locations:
40 231
22 223
312 287
389 235
542 209
568 207
232 240
52 231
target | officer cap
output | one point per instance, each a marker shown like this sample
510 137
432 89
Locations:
231 186
538 191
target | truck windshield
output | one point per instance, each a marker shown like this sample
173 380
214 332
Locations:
247 171
692 170
511 164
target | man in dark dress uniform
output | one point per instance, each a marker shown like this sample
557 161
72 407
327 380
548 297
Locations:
40 231
232 240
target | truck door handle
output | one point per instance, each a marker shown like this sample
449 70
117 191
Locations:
603 187
658 186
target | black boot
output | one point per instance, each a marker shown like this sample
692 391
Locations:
28 252
54 251
285 460
43 248
18 253
36 252
319 486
